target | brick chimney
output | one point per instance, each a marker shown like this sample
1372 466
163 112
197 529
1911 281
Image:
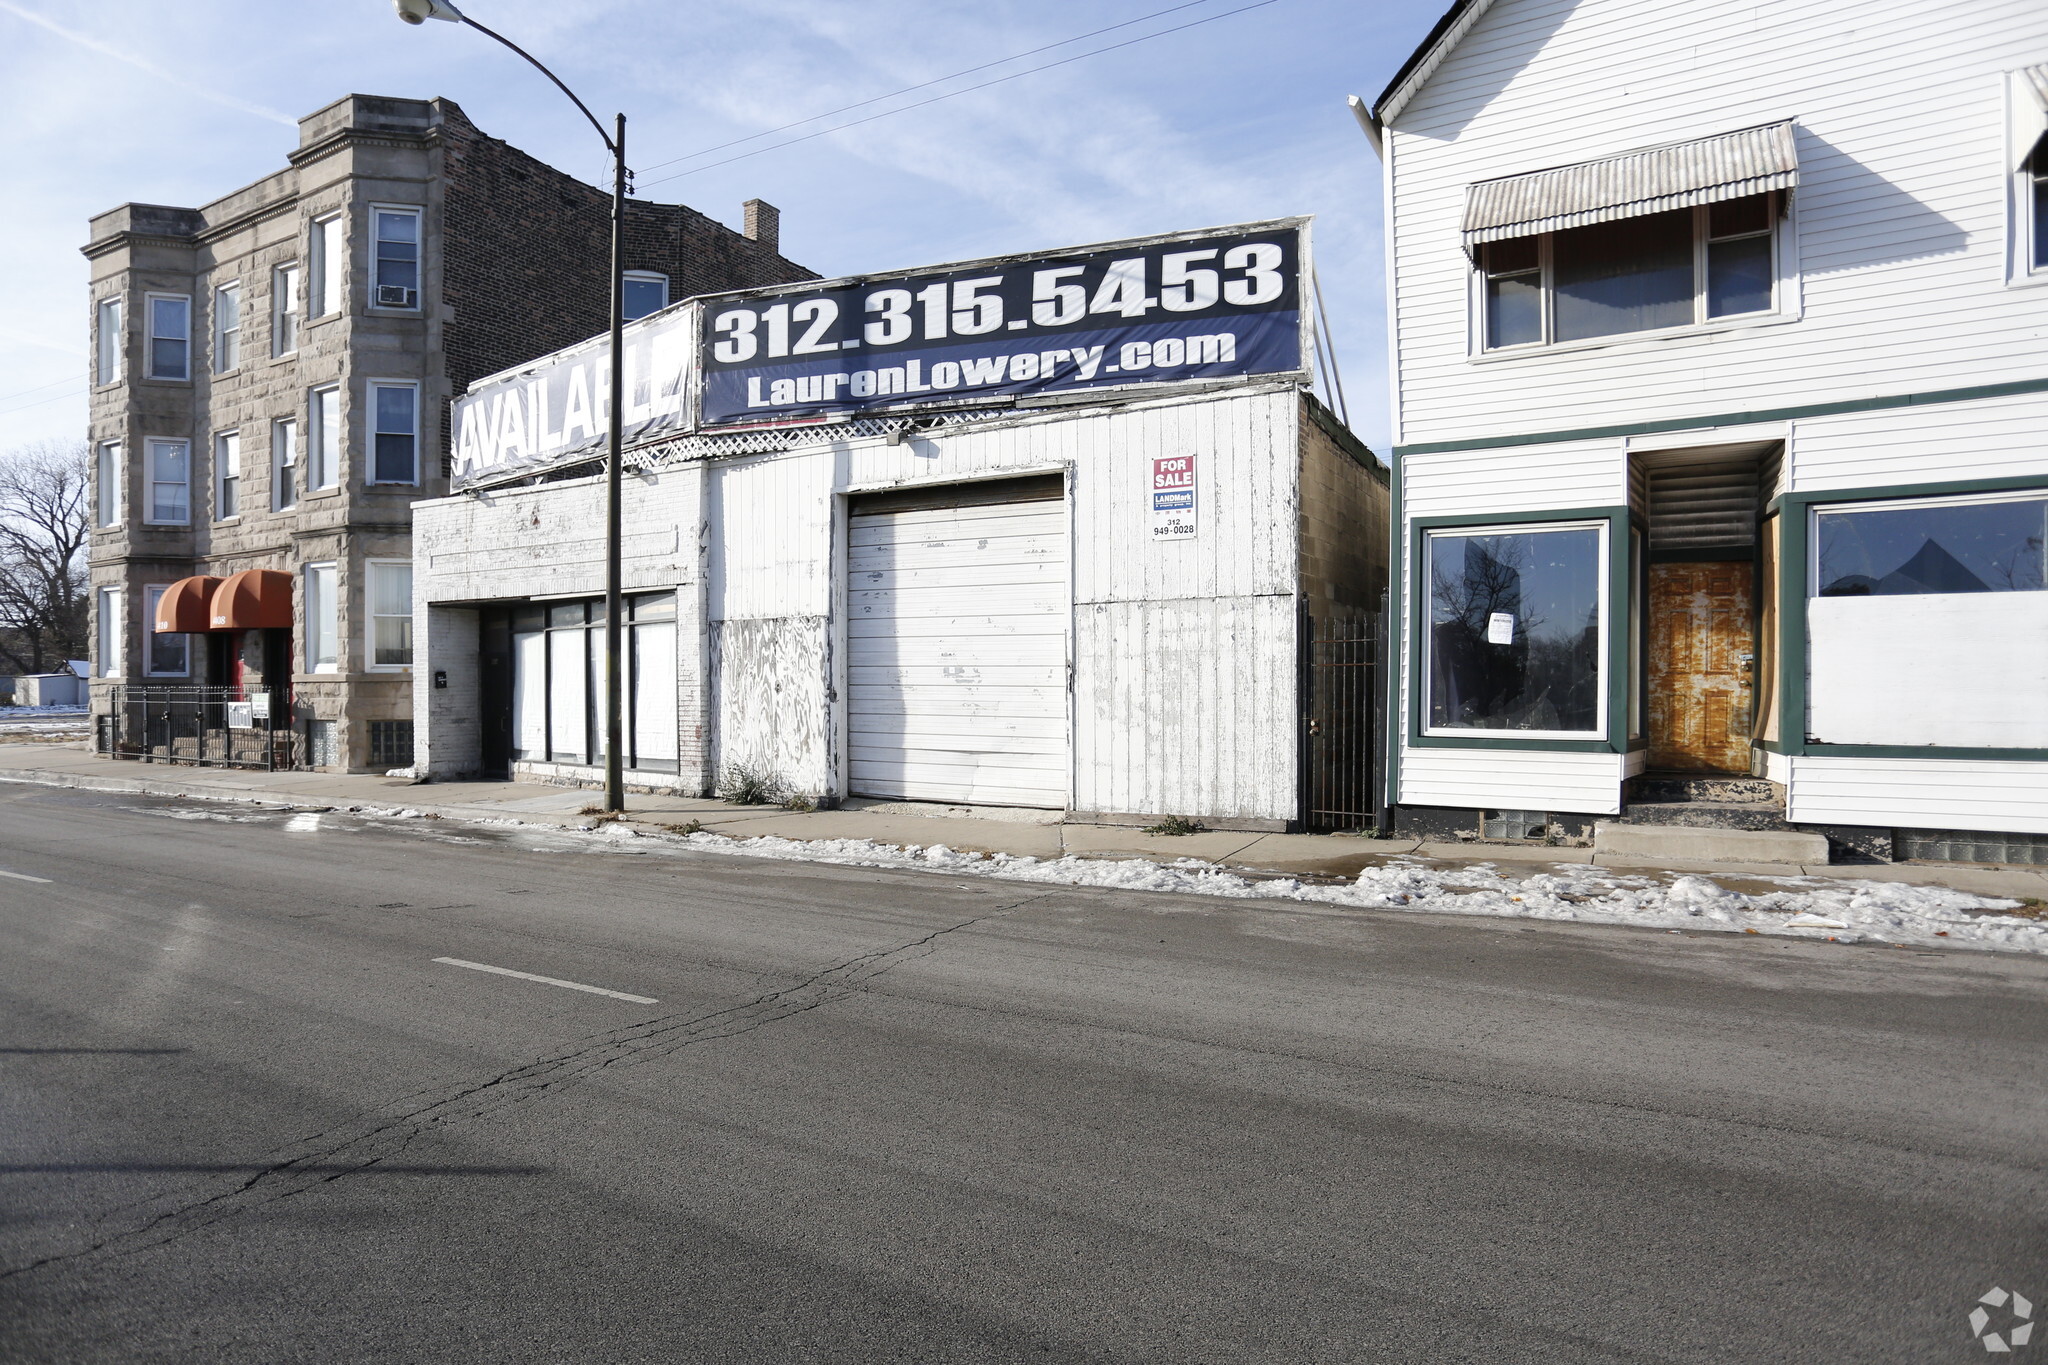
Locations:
764 223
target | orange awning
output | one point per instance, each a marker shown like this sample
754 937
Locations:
187 605
254 599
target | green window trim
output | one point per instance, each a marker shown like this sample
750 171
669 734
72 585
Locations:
1794 545
1621 570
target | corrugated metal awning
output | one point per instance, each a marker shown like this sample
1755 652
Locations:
1705 171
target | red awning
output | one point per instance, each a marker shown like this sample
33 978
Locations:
254 599
186 606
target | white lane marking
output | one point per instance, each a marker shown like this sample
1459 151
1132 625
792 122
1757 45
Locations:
24 877
548 980
305 823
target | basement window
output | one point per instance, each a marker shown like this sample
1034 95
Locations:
1650 273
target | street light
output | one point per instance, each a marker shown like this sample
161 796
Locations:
418 12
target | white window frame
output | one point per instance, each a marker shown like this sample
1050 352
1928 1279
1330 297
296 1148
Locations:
286 462
109 340
322 584
1785 293
419 287
371 431
227 475
150 481
644 276
109 639
227 327
327 260
151 594
150 337
372 569
287 314
2027 270
322 441
1604 596
107 481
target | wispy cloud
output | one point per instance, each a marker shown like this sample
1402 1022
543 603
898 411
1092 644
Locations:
87 41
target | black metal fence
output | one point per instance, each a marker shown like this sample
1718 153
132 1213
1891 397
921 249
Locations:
230 727
1341 708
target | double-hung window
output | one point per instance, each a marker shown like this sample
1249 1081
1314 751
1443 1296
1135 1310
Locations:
107 352
169 466
227 475
227 328
1517 636
1661 270
395 280
165 654
284 309
328 253
396 437
323 453
284 463
643 292
107 633
107 484
390 592
323 617
170 336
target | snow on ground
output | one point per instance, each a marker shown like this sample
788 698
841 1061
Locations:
1842 910
44 722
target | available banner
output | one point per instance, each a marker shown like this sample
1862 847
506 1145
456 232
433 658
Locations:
1219 304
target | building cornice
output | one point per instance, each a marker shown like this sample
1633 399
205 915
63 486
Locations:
341 137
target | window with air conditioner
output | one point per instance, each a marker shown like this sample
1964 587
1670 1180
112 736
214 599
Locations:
395 276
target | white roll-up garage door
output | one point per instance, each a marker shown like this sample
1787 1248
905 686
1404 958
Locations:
957 651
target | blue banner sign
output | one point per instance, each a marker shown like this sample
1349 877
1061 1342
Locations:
1159 310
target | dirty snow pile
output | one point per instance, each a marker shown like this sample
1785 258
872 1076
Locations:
45 722
1838 909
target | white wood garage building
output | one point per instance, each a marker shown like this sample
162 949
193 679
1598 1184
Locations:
974 609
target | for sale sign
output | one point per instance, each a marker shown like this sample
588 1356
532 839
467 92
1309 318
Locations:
1173 498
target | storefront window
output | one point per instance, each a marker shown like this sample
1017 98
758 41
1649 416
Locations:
1515 630
558 687
1932 546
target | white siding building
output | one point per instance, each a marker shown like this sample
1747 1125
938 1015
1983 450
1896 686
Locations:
1721 394
976 613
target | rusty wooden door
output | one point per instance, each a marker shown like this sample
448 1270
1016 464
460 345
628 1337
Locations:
1701 666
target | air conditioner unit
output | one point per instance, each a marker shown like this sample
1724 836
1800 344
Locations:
397 296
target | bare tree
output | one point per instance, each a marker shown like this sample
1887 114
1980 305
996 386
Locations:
44 525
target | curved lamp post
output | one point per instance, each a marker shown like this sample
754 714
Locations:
418 12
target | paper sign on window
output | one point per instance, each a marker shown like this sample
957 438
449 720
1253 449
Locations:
1500 628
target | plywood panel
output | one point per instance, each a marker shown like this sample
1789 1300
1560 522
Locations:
1964 670
1702 652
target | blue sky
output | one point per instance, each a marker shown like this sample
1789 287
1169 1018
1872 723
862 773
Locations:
1235 119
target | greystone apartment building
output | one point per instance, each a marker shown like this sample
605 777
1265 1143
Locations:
270 388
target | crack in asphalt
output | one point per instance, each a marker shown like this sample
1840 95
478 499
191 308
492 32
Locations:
382 1137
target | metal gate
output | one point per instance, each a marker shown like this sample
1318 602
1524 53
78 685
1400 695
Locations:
227 727
1341 706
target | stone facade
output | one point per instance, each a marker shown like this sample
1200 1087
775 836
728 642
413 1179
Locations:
513 262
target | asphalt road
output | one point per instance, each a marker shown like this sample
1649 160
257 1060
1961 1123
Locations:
245 1115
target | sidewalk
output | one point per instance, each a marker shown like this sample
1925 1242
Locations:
1037 834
